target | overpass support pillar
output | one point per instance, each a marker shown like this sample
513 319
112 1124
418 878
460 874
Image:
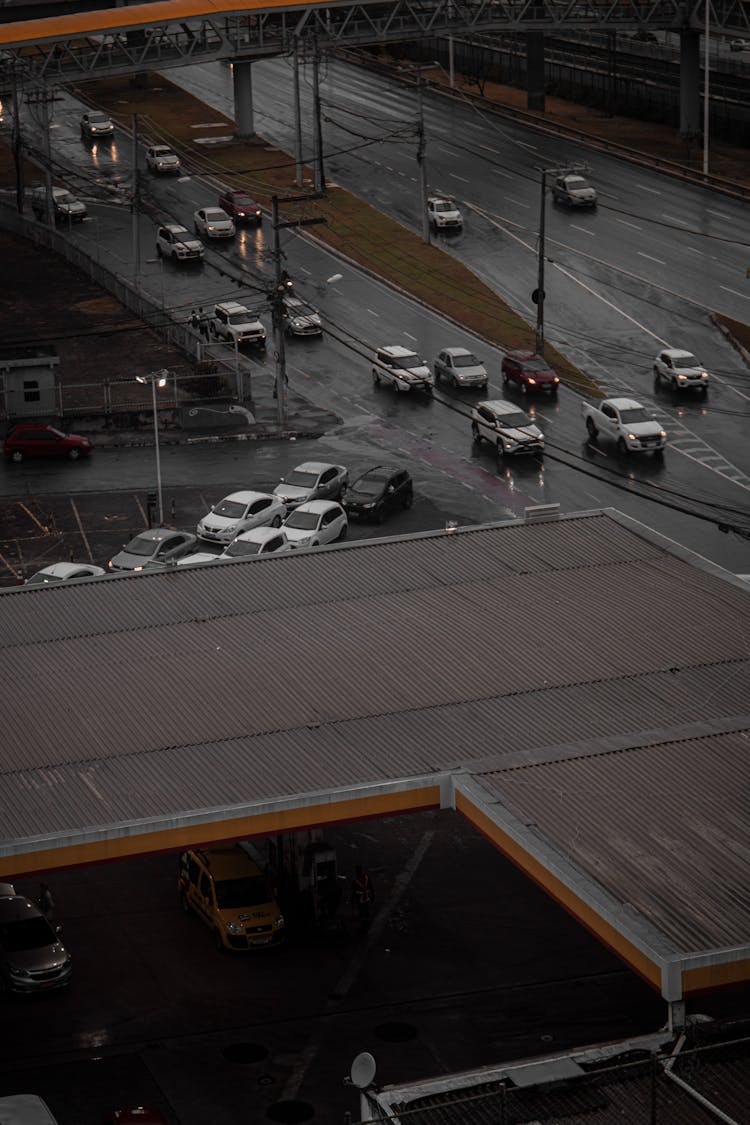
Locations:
690 84
535 70
242 81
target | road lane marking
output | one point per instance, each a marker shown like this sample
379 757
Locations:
735 292
643 187
15 573
517 202
694 250
625 223
494 151
144 517
33 518
674 219
448 152
370 311
80 528
410 336
525 144
650 258
499 172
461 178
719 214
591 233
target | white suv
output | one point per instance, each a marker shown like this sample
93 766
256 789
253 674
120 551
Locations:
160 158
681 370
402 368
174 241
507 427
234 322
443 213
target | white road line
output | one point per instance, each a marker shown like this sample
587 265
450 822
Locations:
694 250
499 172
650 258
674 219
372 312
734 291
410 336
303 269
585 230
643 187
494 151
719 214
448 151
461 178
525 144
627 224
517 202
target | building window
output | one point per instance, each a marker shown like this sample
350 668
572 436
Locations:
31 390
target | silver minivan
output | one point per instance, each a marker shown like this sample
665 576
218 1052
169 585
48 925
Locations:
32 957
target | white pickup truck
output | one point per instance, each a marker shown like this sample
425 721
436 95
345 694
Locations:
626 422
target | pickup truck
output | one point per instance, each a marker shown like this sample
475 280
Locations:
626 422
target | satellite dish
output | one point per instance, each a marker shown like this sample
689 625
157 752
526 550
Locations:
363 1070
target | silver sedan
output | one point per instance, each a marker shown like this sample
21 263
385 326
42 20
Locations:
212 222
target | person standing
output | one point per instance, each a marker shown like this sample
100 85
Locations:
363 895
45 902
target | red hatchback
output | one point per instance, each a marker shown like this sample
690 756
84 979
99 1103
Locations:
241 207
530 372
36 439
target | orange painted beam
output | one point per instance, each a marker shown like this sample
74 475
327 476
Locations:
210 832
604 931
707 978
138 15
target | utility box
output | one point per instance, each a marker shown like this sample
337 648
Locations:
29 381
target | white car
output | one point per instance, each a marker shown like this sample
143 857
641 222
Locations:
311 525
212 222
236 323
257 541
176 242
461 367
63 572
443 213
199 557
161 159
681 370
300 319
402 368
506 427
312 480
239 512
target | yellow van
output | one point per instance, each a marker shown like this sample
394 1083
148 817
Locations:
230 893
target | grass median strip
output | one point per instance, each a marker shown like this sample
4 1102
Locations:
168 114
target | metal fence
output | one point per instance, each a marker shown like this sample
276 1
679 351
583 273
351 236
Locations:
119 400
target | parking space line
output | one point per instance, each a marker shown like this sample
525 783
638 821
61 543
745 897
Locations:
13 571
33 518
80 528
140 509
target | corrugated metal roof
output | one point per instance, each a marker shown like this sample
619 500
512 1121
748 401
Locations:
150 697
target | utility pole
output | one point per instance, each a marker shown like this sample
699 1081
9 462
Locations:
42 97
421 160
706 85
17 141
299 170
134 205
320 176
538 294
282 286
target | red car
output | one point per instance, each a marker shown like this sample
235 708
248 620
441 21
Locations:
36 439
241 207
530 372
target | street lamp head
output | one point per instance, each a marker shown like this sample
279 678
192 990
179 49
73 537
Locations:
161 382
141 379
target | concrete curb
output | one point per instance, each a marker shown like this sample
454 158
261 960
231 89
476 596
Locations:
738 347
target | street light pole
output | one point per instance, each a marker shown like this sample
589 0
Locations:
135 233
706 72
539 297
421 161
156 378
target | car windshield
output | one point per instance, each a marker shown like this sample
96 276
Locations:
685 360
577 182
141 546
534 365
242 547
513 421
232 894
240 318
293 303
371 485
302 521
409 361
231 509
302 478
216 216
242 201
445 206
637 414
65 197
99 118
28 933
179 232
467 360
42 579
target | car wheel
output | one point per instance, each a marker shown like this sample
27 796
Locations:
376 377
185 906
218 942
500 450
16 455
659 453
591 427
408 500
456 384
378 515
675 385
505 378
197 229
343 533
159 250
74 454
276 522
477 437
524 389
394 386
622 447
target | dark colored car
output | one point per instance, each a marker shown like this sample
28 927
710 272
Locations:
32 958
530 372
37 439
154 548
138 1115
377 492
241 207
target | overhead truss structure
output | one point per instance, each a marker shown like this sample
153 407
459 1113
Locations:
179 32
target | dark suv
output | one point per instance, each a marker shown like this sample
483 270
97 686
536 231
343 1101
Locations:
32 958
37 439
377 492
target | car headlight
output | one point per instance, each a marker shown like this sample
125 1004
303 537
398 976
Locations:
20 973
704 374
662 433
555 380
681 378
632 437
368 505
235 928
278 922
532 382
508 444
